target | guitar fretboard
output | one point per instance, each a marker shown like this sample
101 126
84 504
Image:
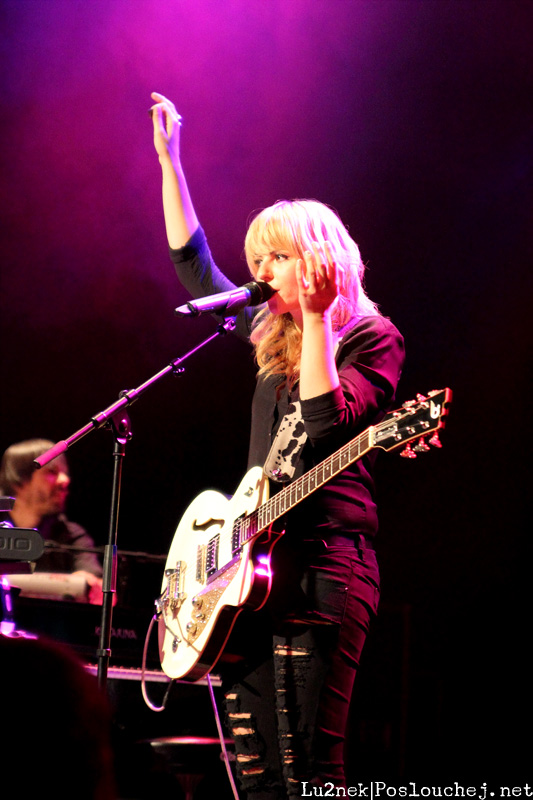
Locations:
414 420
245 528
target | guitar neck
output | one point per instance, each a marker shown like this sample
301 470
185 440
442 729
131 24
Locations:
302 487
414 420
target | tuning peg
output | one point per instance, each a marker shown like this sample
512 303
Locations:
421 446
435 441
408 452
409 406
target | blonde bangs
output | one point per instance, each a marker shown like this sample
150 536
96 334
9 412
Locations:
269 231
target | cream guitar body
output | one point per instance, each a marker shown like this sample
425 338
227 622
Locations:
210 576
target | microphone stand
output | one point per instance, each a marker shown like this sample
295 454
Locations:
116 418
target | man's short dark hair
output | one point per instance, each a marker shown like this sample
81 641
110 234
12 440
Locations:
17 465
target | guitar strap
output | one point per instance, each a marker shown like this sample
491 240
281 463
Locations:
280 464
281 461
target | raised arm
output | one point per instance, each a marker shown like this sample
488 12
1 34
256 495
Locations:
180 217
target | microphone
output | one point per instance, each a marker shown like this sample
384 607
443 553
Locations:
227 304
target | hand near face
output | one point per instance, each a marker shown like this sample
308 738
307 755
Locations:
317 278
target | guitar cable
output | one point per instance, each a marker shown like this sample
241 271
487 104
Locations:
224 750
146 699
225 754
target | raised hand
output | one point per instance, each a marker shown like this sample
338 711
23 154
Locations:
180 217
167 123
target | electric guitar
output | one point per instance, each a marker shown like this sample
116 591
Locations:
219 559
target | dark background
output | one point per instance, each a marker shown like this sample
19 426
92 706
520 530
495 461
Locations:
412 119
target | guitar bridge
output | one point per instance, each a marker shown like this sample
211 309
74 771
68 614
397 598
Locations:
175 581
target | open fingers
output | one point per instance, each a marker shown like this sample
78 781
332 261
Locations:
302 272
330 261
320 265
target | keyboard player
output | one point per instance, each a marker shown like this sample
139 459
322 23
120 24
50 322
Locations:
40 500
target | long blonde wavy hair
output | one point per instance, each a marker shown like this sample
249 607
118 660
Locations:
294 225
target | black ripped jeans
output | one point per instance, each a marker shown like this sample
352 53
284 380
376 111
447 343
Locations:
287 701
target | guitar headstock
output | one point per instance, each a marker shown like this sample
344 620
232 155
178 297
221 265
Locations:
415 420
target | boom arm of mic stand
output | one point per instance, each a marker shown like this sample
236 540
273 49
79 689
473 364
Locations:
127 397
115 416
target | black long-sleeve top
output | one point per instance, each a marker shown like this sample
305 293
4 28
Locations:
369 361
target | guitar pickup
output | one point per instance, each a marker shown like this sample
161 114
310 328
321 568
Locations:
200 563
211 559
244 528
236 544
